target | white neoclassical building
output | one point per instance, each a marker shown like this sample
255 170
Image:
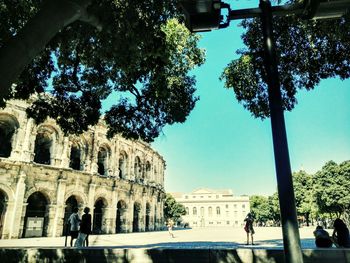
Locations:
207 207
44 175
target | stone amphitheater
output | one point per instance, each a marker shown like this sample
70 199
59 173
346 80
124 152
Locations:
45 174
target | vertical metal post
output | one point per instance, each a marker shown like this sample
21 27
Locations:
291 239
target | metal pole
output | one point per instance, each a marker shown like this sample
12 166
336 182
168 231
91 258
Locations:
291 239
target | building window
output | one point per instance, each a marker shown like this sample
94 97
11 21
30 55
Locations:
235 205
202 196
218 210
186 196
194 211
210 211
236 213
227 222
219 223
202 211
243 206
187 211
217 197
210 223
194 196
227 213
226 206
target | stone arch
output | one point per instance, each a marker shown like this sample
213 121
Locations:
121 216
71 202
36 217
123 164
99 219
104 152
137 167
44 191
3 208
8 128
148 169
78 152
8 192
136 217
80 196
45 143
148 217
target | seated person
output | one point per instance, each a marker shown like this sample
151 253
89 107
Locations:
340 235
322 238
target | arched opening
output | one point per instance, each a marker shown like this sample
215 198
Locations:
8 126
100 205
148 217
136 217
102 158
120 218
155 218
137 168
43 145
148 170
36 219
71 203
75 157
123 160
3 204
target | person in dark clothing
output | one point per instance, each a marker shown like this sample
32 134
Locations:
85 225
249 227
340 235
322 238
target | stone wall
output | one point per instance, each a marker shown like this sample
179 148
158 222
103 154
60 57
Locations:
44 174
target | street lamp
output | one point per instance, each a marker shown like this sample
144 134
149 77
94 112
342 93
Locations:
205 15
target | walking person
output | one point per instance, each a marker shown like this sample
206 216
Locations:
74 221
85 225
249 227
170 225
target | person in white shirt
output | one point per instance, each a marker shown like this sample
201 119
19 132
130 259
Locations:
74 222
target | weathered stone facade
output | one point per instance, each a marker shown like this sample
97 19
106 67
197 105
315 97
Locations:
44 175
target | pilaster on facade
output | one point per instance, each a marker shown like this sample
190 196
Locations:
39 163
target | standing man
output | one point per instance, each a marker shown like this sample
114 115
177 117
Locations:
249 227
74 221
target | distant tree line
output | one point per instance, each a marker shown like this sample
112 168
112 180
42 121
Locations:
319 197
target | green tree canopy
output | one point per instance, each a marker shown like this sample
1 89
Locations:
332 188
74 54
260 208
173 209
304 198
307 51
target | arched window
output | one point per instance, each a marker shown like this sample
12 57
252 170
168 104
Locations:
75 155
148 170
137 167
194 211
123 160
210 211
102 161
8 126
43 147
218 210
187 211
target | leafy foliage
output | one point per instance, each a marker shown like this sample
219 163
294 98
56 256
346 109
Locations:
173 209
260 208
332 188
303 191
308 51
142 54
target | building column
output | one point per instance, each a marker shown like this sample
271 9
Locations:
16 212
27 152
58 223
7 220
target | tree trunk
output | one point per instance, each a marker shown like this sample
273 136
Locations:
17 53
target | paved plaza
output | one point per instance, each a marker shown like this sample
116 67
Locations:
218 238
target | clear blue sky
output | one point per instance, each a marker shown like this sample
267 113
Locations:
222 146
